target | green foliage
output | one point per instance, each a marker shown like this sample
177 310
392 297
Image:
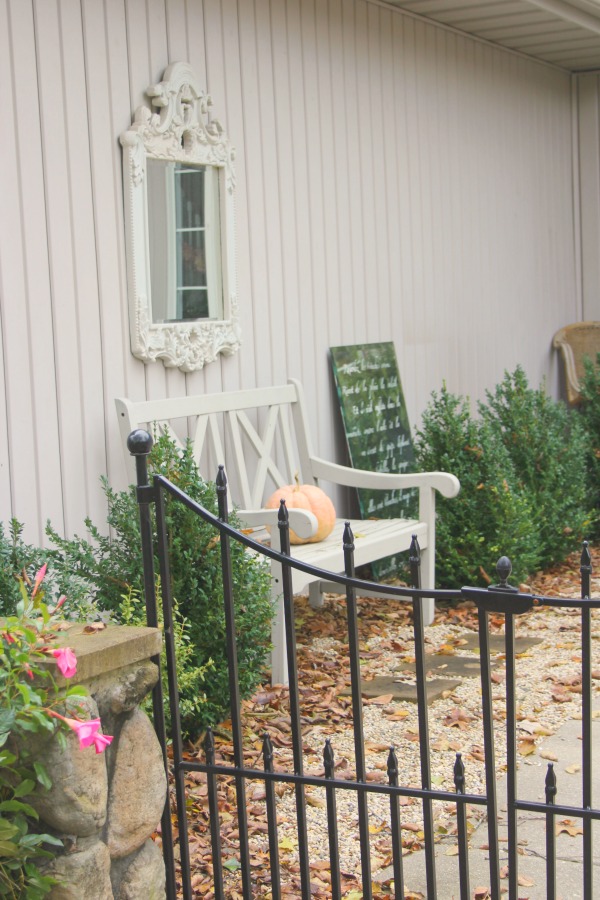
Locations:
522 468
547 446
589 412
19 560
190 677
492 515
15 557
112 567
28 692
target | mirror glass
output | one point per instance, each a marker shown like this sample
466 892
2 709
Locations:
184 231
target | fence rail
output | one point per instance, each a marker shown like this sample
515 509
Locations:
499 599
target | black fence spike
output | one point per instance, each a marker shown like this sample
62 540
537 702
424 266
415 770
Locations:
328 759
459 774
348 537
551 789
267 752
414 552
392 767
585 570
586 559
208 745
282 516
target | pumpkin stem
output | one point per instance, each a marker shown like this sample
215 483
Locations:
297 480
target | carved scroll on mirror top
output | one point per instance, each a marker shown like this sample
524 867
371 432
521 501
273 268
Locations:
179 203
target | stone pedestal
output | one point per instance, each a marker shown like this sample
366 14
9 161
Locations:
105 807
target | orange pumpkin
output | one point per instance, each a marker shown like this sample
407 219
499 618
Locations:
312 498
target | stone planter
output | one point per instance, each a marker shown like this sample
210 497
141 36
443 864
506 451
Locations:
105 807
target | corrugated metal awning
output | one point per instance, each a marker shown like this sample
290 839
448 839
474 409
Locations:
563 32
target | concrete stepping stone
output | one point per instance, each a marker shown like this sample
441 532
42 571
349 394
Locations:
405 690
522 644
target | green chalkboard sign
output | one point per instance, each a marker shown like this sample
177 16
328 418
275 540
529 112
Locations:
376 428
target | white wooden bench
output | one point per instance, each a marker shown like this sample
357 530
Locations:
262 436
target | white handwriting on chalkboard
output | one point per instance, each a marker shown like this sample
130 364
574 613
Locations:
391 401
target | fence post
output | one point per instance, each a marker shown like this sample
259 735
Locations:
139 444
357 712
414 560
586 716
234 689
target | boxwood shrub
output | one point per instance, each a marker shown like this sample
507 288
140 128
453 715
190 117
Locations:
492 515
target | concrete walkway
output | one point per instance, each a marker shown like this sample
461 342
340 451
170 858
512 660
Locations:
565 744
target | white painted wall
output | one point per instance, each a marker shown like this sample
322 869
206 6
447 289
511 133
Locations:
396 181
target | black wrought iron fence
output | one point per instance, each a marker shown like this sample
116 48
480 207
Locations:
500 599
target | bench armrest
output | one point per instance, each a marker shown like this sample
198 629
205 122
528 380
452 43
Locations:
303 522
448 485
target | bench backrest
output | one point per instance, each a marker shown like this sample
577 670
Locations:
260 435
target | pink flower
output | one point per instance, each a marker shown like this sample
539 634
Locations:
101 741
66 661
40 575
8 637
87 732
60 602
28 672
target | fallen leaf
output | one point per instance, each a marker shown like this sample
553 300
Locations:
286 844
567 826
457 718
232 864
445 650
395 715
548 754
525 881
573 768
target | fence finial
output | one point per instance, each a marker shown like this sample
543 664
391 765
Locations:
503 568
139 442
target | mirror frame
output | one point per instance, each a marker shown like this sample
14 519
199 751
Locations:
182 131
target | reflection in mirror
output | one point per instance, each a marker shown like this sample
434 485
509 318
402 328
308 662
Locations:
185 243
179 184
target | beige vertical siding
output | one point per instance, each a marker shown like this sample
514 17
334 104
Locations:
396 181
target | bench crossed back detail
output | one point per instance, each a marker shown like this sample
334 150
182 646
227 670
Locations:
260 453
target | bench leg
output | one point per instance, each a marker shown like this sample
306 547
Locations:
428 580
279 666
315 595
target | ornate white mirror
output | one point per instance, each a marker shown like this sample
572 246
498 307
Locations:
179 185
